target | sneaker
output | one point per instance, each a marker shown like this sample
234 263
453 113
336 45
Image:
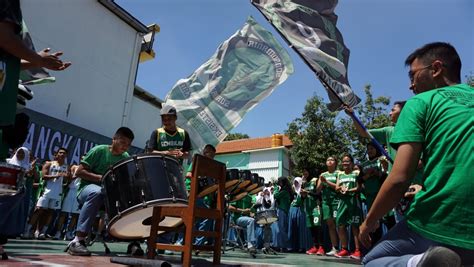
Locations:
78 248
342 254
320 251
356 255
439 257
41 236
312 251
332 252
36 234
57 236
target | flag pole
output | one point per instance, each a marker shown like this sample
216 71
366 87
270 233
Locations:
330 89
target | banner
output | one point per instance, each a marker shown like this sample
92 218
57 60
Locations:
243 71
309 26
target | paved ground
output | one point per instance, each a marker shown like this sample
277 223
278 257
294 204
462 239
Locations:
50 253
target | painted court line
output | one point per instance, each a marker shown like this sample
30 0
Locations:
37 262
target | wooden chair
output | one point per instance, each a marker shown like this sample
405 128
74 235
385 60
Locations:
202 167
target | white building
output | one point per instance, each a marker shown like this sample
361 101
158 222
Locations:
267 156
97 94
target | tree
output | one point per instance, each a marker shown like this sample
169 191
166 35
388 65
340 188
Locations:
315 136
236 136
470 79
320 133
373 113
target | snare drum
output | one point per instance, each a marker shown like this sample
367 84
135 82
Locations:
206 186
9 178
266 216
134 186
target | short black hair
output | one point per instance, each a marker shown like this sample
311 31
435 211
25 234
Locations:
125 132
444 52
61 148
349 156
210 147
400 103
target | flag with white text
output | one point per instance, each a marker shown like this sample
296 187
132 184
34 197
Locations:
243 71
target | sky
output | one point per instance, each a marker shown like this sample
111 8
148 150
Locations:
379 33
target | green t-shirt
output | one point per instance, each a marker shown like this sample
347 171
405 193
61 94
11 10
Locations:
442 121
99 159
245 203
383 136
166 141
327 192
282 198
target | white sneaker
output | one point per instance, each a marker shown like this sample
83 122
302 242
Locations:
41 236
36 234
332 252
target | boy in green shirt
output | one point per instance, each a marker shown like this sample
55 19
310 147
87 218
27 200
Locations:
93 166
437 123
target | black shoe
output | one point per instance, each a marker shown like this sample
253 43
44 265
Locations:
439 257
134 249
78 249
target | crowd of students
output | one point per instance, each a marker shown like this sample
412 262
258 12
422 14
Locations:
50 208
319 213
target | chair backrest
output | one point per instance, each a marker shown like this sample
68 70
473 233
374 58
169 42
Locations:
206 167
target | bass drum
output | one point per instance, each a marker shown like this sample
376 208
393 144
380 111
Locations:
134 186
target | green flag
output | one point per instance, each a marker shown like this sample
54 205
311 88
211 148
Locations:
243 71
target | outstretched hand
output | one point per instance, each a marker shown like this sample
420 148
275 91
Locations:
51 60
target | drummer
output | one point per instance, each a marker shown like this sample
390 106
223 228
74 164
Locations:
170 139
93 166
242 214
265 201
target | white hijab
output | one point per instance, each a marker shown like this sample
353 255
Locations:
297 182
25 163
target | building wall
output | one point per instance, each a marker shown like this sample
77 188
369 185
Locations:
95 92
144 118
269 164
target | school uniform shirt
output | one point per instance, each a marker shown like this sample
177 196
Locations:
442 121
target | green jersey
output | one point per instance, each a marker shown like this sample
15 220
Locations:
328 193
442 121
348 180
99 159
166 141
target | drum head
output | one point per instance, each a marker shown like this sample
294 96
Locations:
256 190
135 222
231 183
238 197
208 190
266 216
251 187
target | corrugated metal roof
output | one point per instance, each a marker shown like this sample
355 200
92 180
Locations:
240 145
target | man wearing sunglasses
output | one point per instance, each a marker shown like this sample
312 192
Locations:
438 123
